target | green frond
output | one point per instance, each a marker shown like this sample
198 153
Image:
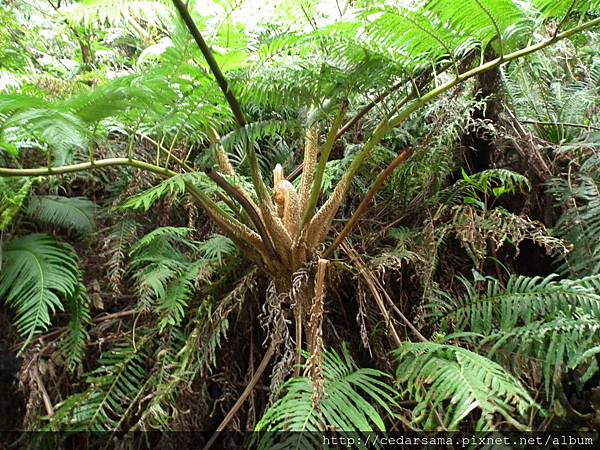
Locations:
580 221
494 307
175 186
190 355
13 193
347 406
60 131
74 344
558 8
166 267
492 182
156 260
217 247
111 389
117 13
553 324
117 243
459 382
172 305
71 213
161 237
237 141
534 97
38 275
133 92
558 344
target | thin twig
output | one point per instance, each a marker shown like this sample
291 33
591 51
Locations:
61 330
249 388
561 124
42 388
371 283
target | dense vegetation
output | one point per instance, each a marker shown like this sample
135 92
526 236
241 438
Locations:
303 215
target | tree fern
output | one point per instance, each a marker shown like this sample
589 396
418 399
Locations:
450 383
347 406
39 275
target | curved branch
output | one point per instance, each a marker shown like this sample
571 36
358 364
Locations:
228 223
90 165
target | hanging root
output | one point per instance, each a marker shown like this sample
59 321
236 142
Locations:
315 334
275 325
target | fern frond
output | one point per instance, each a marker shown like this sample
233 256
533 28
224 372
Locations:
217 247
117 243
580 222
523 299
557 344
13 193
38 275
74 213
456 382
156 260
173 303
74 343
348 404
116 13
492 182
161 237
112 387
175 185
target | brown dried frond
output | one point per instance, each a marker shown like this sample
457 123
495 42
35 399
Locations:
477 230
